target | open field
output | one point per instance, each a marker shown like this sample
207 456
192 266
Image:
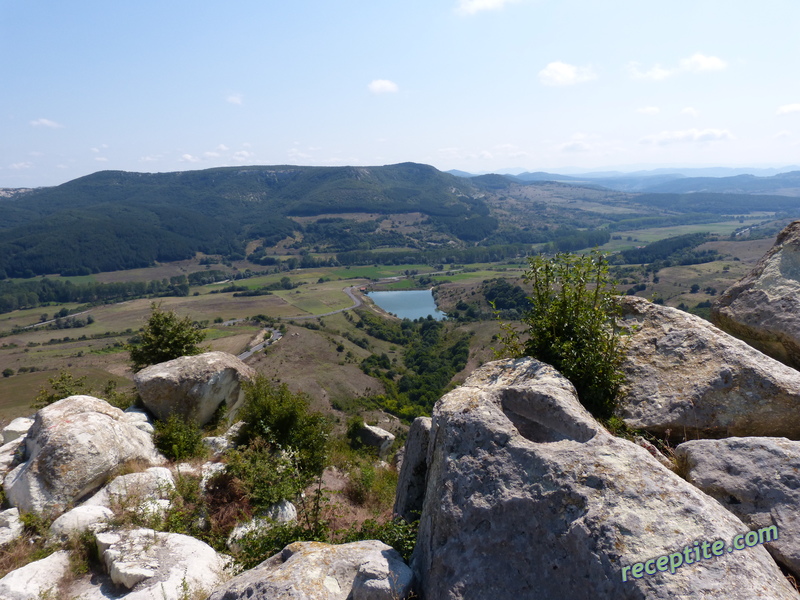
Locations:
311 360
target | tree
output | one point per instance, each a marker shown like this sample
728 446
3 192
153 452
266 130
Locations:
164 337
571 326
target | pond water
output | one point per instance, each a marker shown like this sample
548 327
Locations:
408 304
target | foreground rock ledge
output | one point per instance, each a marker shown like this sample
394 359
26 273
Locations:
763 308
687 377
528 497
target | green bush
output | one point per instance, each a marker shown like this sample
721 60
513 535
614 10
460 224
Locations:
178 438
571 326
267 474
283 420
398 534
164 337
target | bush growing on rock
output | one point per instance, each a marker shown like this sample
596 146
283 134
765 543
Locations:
571 326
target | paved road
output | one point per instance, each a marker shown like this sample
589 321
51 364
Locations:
276 335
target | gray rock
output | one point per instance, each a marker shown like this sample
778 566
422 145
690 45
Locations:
413 471
763 308
136 492
80 519
758 480
9 455
193 387
140 418
368 570
282 512
10 526
156 565
529 497
36 580
71 450
17 429
688 377
377 438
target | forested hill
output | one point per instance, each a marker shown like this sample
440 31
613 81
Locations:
117 220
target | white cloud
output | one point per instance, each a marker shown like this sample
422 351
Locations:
382 86
696 63
700 62
101 159
211 154
222 148
692 112
788 109
688 135
189 158
470 7
235 99
242 155
782 135
150 158
560 73
649 110
578 143
46 123
21 165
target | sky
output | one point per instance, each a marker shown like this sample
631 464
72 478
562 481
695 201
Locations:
475 85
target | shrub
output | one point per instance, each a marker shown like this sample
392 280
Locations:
164 337
283 420
179 439
571 326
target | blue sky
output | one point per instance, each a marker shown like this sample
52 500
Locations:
477 85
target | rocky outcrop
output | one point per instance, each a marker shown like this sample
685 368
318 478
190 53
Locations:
763 308
377 438
146 492
413 471
71 450
154 565
36 580
528 497
80 519
758 480
10 526
194 387
17 429
280 513
367 570
687 377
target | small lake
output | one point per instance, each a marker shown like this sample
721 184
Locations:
408 304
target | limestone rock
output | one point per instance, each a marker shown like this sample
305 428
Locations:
368 570
9 453
80 519
413 471
193 387
137 492
687 376
377 438
140 419
763 308
71 450
36 580
10 526
16 429
758 480
156 565
282 512
529 497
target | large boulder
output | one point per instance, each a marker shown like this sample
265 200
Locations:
687 377
413 471
71 450
193 387
758 480
37 580
377 438
155 565
763 307
368 570
529 497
